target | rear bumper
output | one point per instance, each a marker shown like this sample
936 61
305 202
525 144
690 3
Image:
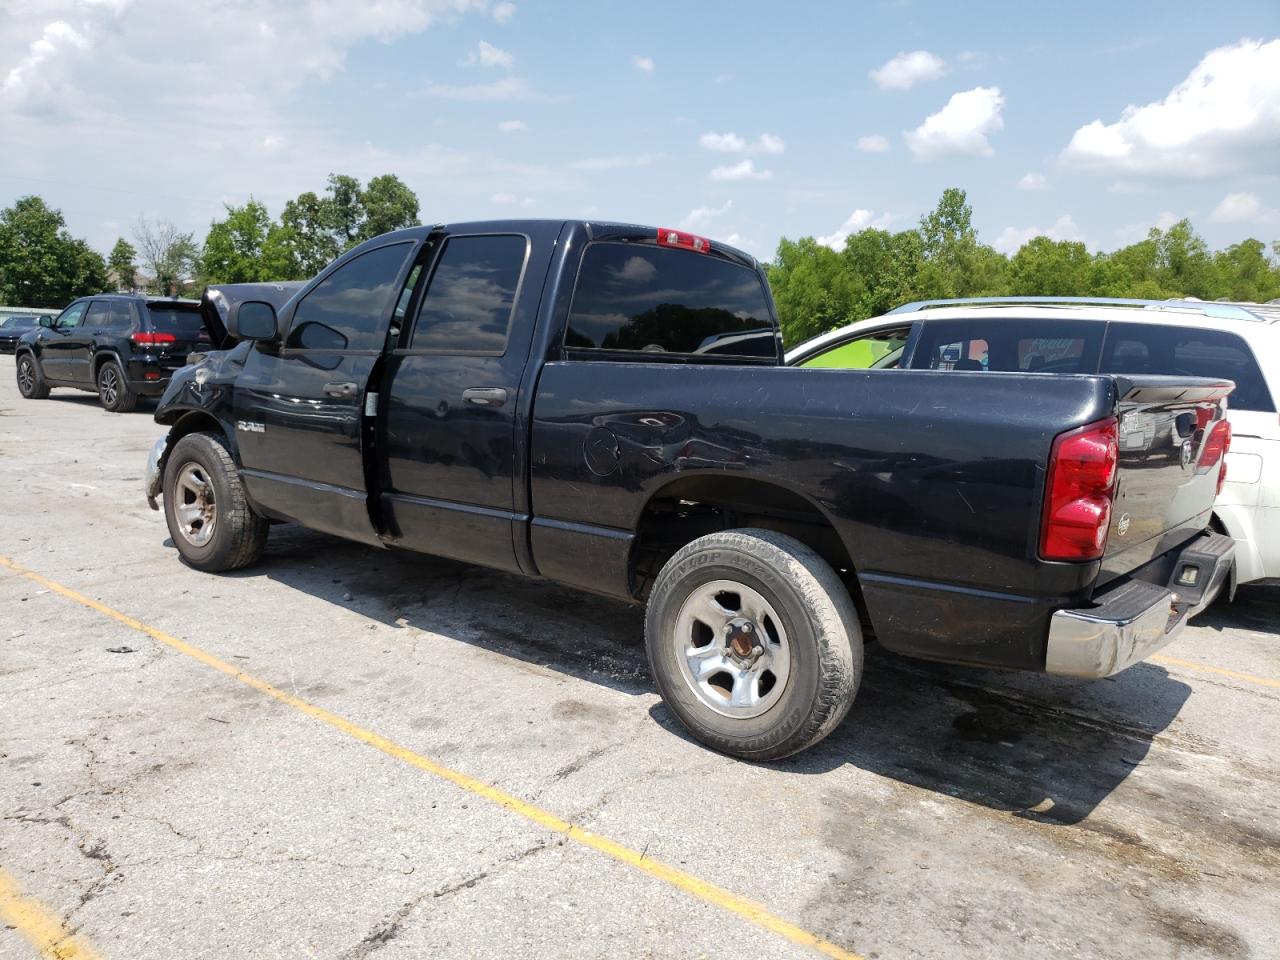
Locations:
1134 620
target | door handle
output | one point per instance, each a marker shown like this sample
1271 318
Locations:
485 396
343 390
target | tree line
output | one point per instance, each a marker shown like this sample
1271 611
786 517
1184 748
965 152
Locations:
818 288
43 265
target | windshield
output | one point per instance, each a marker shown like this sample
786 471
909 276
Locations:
18 323
183 322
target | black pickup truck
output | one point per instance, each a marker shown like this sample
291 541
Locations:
606 406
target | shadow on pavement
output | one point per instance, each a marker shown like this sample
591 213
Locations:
1048 749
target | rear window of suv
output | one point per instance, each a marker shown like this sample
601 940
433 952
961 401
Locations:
1146 348
635 297
1013 345
183 324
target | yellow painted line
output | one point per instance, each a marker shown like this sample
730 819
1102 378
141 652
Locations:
1205 668
708 892
41 928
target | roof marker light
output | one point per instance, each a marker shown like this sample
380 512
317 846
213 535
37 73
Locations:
687 241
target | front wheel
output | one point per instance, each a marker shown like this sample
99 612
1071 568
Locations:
754 643
210 519
31 382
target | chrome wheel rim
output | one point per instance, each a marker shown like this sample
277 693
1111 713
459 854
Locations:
109 385
26 376
732 649
193 505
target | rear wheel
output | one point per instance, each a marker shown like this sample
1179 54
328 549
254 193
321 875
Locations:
114 390
31 382
754 643
210 519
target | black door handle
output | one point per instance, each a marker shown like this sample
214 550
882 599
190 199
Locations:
343 390
485 396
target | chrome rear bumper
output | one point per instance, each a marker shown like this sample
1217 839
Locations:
1134 620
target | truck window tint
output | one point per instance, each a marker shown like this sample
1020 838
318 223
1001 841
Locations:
1138 348
350 308
467 307
1012 345
633 297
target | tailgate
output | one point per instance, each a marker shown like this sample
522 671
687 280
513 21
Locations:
181 322
1167 484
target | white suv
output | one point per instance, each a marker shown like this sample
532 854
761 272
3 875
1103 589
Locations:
1066 335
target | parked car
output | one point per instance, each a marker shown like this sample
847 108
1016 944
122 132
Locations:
13 327
119 346
606 406
1238 342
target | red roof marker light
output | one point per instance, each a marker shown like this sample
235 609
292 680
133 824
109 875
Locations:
687 241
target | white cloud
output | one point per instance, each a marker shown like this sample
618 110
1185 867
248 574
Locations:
487 55
505 199
643 64
1033 181
744 170
732 143
908 69
1133 232
858 220
700 218
508 88
615 163
1224 117
513 126
962 126
873 143
1242 208
502 12
272 142
768 143
1064 228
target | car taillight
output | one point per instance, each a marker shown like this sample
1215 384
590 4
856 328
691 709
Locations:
143 339
687 241
1215 451
1078 492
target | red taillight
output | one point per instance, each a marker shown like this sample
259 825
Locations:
151 375
1215 451
687 241
1081 483
144 339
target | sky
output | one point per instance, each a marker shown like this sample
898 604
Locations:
745 121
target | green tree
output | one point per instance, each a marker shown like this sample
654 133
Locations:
1050 268
120 262
388 205
812 289
242 249
1243 272
168 253
41 264
308 240
1183 264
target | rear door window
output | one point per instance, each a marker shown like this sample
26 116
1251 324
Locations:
467 307
636 297
1141 348
1009 344
97 317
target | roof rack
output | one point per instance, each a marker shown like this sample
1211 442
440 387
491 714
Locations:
1219 311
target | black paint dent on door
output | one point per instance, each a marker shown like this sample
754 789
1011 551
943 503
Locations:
300 407
449 427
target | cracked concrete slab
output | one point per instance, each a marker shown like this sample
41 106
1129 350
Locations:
164 810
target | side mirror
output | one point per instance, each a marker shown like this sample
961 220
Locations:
47 321
253 320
